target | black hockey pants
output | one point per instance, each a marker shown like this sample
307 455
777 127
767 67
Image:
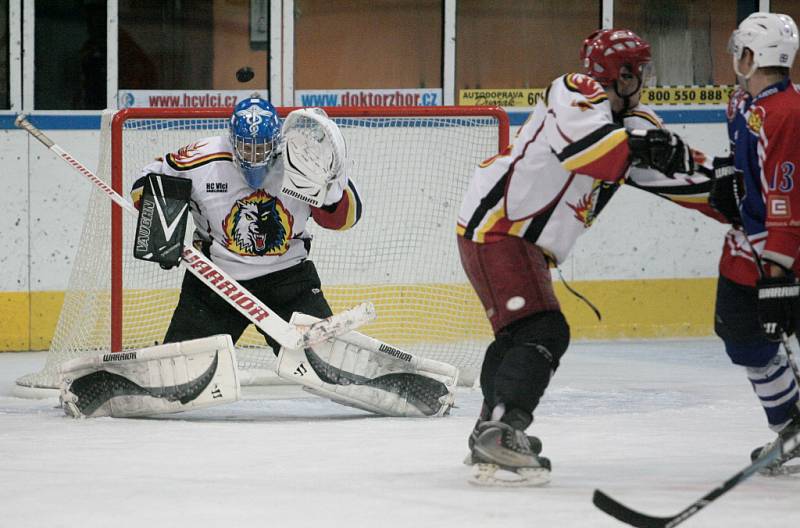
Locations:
201 312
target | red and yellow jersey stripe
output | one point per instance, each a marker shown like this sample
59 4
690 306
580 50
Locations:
342 215
602 154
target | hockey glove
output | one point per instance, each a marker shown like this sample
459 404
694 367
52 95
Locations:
660 149
163 213
726 190
777 304
314 158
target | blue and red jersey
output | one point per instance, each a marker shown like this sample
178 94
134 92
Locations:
764 132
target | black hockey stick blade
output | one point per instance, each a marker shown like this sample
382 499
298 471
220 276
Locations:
622 513
778 452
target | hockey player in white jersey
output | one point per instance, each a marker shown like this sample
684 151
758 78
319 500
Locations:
522 213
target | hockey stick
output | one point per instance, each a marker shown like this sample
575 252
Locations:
621 512
224 285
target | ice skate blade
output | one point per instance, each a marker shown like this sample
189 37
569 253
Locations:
492 475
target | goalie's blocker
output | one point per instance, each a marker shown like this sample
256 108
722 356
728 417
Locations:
163 213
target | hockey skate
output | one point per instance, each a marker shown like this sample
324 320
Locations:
780 467
470 460
504 456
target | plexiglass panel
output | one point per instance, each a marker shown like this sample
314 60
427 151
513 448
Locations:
519 43
689 37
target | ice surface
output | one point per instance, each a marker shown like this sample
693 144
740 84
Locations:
655 424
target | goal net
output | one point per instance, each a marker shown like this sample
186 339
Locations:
411 165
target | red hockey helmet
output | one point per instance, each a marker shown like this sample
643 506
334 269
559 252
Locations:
606 51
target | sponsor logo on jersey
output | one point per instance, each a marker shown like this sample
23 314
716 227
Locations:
216 187
258 225
755 119
778 207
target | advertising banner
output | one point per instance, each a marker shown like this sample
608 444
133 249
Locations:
661 95
369 97
182 98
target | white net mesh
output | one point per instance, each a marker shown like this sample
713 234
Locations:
411 172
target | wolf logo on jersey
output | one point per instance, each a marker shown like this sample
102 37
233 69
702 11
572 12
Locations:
258 225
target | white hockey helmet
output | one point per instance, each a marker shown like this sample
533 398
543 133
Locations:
772 37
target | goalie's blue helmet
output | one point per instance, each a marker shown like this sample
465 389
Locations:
255 136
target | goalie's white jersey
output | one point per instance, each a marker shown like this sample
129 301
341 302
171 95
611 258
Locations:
250 232
564 165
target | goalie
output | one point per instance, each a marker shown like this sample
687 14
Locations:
251 193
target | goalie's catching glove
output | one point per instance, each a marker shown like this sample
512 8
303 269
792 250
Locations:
315 168
660 149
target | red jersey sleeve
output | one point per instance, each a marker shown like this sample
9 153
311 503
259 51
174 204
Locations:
779 159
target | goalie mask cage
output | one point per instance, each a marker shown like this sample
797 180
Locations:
412 166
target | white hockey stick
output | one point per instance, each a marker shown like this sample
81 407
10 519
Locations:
224 285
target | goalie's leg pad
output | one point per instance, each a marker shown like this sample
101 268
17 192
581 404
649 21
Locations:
161 379
359 371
